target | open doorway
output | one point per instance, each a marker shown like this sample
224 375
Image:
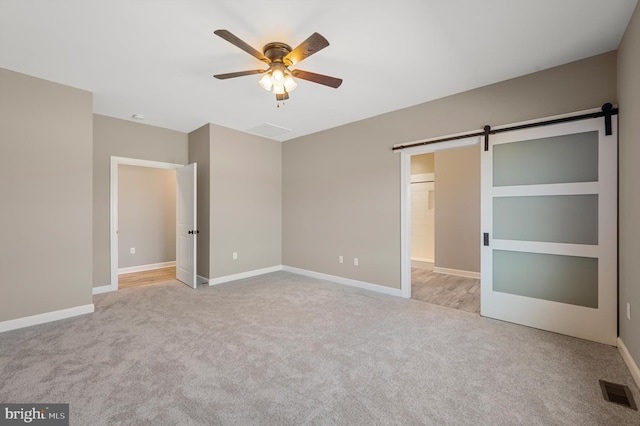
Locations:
146 225
441 227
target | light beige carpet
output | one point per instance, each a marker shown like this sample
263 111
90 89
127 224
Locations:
282 349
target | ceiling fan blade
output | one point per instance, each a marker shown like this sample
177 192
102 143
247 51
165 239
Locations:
238 74
311 45
317 78
241 44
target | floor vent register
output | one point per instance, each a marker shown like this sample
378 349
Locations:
618 394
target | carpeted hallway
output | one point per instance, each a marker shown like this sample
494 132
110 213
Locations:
282 349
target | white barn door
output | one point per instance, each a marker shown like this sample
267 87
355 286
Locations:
549 223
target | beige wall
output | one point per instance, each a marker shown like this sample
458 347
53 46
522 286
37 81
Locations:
246 202
629 203
146 215
458 209
45 188
123 138
199 152
341 187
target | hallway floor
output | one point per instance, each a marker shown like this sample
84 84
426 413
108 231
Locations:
446 290
139 279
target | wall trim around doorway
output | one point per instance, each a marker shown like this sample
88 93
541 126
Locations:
113 211
405 202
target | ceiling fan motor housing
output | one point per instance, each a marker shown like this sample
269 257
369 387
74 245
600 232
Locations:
276 51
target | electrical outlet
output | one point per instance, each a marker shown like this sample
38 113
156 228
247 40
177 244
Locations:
132 250
340 259
355 261
235 255
629 311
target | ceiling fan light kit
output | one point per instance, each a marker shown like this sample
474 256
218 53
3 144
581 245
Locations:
278 78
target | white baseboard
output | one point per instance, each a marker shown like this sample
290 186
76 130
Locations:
457 272
46 317
346 281
103 289
242 275
149 267
422 265
422 259
628 359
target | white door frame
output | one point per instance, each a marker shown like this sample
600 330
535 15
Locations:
113 229
405 202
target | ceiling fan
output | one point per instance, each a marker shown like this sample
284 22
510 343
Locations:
278 78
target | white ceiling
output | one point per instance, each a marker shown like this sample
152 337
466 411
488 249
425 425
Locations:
157 57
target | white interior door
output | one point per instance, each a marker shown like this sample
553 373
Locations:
549 218
186 229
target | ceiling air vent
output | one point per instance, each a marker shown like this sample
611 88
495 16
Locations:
269 130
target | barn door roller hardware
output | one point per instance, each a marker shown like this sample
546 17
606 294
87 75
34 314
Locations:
606 111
